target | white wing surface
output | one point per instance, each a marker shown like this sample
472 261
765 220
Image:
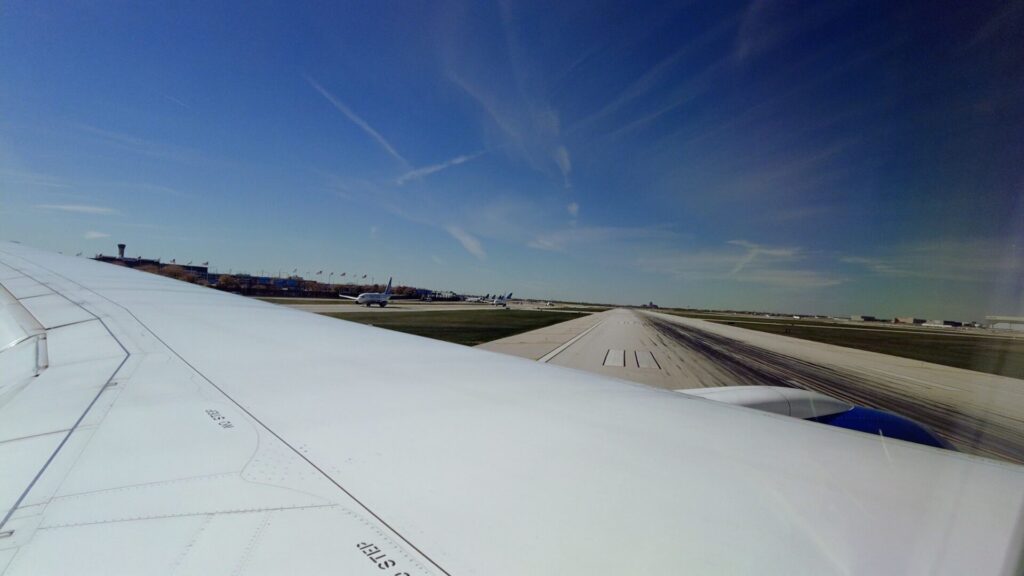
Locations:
149 426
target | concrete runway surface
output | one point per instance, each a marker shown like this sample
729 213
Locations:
979 413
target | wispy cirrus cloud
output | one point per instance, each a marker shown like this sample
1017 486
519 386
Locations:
794 279
532 130
390 200
662 78
94 235
780 267
357 120
33 179
574 237
140 187
1004 21
966 260
78 208
143 146
755 250
767 25
513 97
876 265
564 163
418 173
37 179
640 87
469 242
677 97
174 100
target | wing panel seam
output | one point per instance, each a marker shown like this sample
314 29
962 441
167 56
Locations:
82 416
188 514
219 389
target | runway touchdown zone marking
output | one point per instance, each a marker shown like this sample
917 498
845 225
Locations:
616 358
638 359
646 359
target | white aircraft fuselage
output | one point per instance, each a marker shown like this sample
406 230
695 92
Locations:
370 298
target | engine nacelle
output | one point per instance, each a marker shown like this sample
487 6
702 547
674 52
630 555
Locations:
818 407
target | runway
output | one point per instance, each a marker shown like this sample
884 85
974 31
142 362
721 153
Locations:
979 413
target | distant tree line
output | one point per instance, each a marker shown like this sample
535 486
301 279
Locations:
176 272
248 285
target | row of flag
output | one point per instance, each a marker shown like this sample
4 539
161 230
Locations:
319 272
294 271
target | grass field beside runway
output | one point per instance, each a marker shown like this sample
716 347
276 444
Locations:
982 353
469 327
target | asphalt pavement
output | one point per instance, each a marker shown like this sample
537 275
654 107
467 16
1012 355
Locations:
979 413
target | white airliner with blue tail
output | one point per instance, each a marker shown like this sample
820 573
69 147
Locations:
501 300
370 298
150 426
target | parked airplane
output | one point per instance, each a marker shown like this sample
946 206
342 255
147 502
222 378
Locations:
371 298
151 426
479 298
501 300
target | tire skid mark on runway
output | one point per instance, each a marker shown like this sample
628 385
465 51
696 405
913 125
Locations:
983 433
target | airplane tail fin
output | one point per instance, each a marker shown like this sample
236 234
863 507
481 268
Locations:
388 289
509 297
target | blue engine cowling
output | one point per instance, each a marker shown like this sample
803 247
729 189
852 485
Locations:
884 423
817 407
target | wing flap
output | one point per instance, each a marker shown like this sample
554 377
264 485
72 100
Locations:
53 310
22 287
52 402
48 380
18 366
133 444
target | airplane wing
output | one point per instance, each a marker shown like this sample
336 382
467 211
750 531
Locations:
148 426
348 297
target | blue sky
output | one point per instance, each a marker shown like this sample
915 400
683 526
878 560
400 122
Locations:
837 157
